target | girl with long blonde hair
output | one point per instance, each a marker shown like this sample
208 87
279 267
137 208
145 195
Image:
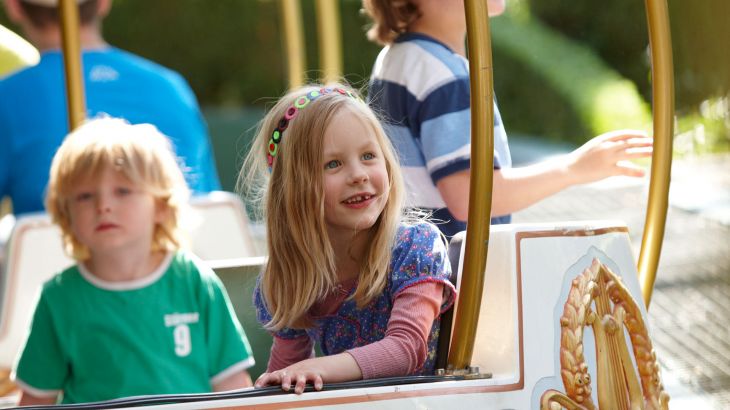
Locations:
344 269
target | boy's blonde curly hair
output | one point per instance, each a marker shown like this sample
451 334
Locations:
140 152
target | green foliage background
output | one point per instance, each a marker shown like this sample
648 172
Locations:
562 89
616 31
231 51
564 70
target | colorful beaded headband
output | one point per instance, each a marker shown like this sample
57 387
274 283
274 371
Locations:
292 112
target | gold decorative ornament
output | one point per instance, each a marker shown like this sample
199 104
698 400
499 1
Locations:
615 311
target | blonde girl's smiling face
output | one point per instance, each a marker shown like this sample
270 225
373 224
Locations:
110 213
355 175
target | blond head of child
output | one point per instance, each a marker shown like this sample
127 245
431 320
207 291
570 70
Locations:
116 187
329 175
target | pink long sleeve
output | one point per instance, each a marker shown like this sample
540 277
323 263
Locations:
285 352
405 345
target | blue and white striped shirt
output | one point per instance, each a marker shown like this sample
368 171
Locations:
421 89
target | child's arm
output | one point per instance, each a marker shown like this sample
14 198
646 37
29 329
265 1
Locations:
401 352
517 188
290 357
27 399
404 348
599 158
235 381
336 368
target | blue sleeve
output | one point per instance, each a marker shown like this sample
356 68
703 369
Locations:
5 156
444 118
4 167
264 317
502 155
444 121
420 256
193 145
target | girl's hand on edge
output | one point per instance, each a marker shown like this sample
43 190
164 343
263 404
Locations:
285 378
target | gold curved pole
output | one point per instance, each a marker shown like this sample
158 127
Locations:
69 12
480 185
661 164
291 14
330 40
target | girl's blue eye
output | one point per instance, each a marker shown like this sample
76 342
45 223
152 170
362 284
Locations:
332 164
368 156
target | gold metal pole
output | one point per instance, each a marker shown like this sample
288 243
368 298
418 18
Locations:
661 164
291 14
330 40
70 41
480 186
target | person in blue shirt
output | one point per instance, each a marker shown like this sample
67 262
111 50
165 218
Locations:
33 114
420 82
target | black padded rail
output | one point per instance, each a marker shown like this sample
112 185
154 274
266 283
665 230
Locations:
142 401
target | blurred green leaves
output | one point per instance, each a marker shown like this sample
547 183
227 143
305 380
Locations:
565 69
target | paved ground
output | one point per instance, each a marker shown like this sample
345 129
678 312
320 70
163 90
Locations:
690 309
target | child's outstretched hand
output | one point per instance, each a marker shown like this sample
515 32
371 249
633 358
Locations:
336 368
288 376
608 155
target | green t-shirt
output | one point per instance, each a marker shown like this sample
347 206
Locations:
173 331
